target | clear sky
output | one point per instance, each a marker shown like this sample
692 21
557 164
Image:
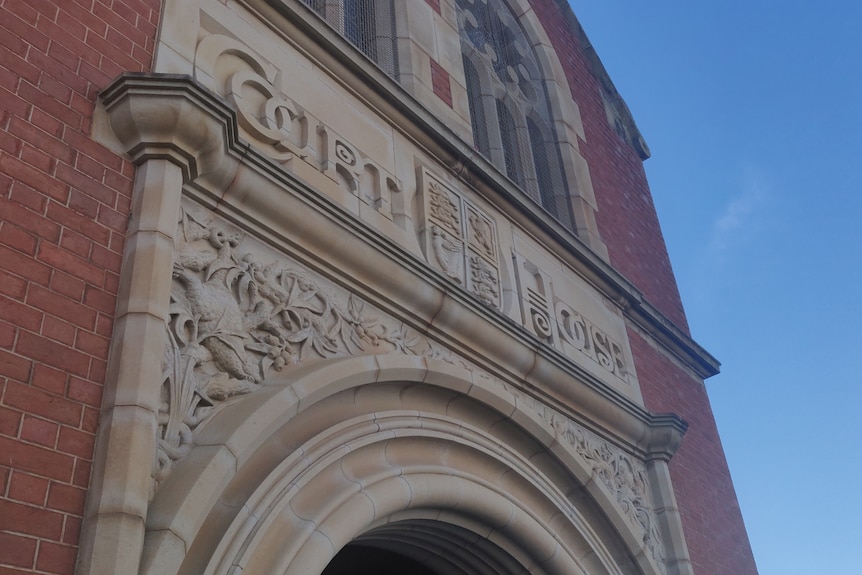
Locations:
753 112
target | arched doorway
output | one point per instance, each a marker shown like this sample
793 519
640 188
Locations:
422 547
387 461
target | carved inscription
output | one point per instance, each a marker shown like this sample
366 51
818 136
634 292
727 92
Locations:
283 130
577 332
460 240
350 168
557 323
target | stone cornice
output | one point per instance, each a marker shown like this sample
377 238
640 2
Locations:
174 118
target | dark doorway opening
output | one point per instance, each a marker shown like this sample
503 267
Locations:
357 559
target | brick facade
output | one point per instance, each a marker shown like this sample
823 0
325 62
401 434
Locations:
628 224
64 203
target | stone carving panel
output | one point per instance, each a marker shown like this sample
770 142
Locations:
460 239
357 173
239 315
624 476
280 128
237 319
558 323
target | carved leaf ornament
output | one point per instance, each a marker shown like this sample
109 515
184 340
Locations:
234 321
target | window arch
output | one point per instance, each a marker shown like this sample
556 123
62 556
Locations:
509 108
367 24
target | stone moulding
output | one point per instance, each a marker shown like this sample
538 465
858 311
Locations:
386 96
236 321
222 344
171 117
624 487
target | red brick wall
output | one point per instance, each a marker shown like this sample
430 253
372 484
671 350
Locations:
64 203
626 215
715 533
714 530
440 82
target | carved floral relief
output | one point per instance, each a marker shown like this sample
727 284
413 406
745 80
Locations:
236 320
624 476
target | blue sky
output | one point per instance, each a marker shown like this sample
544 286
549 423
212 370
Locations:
753 113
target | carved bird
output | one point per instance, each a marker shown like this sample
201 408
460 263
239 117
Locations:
220 324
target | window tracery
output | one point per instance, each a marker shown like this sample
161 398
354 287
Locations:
367 24
509 110
509 107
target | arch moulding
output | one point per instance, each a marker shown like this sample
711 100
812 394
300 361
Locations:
282 479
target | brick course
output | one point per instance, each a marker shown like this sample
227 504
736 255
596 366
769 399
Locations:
64 203
707 501
626 215
440 81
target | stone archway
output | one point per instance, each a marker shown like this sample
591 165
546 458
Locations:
405 455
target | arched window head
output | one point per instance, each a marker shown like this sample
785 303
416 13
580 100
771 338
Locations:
509 111
367 24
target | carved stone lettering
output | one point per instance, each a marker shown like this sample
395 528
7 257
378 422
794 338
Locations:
534 288
282 130
358 174
250 83
555 322
577 332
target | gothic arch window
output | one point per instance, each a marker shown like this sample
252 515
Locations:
367 24
509 108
